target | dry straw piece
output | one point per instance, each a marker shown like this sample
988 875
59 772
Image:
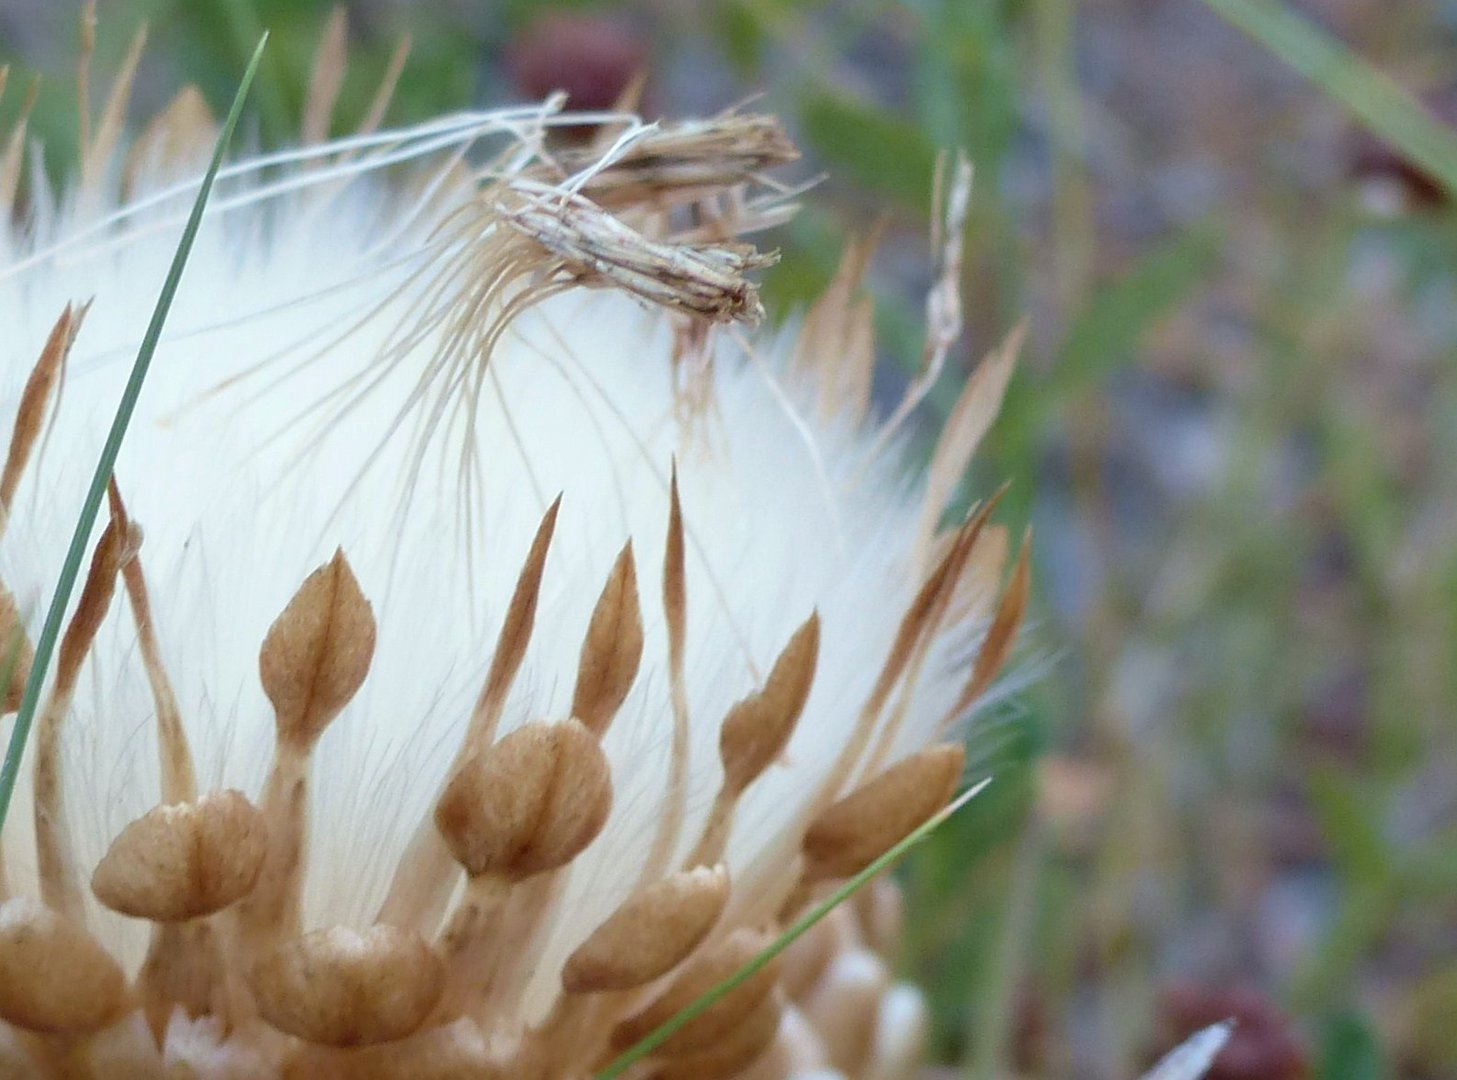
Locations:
517 644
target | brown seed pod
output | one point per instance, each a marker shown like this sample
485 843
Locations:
852 833
528 803
705 972
184 860
339 987
54 977
317 652
650 934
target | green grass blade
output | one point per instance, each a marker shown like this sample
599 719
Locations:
1373 97
699 1006
76 553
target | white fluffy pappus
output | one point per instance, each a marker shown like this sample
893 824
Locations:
283 420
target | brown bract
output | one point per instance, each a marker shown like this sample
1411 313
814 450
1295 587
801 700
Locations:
184 860
340 987
853 832
650 934
54 976
529 803
317 651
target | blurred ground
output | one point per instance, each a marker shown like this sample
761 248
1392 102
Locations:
1233 788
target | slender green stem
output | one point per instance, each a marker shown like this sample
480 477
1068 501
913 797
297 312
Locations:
702 1004
76 553
1369 93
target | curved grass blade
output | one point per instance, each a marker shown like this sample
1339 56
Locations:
1375 99
76 553
645 1046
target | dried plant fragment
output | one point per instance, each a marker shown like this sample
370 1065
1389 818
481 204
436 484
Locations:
596 250
667 164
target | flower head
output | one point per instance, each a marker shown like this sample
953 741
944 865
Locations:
493 638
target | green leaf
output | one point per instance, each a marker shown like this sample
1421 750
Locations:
872 147
1386 108
1350 1050
1106 334
91 506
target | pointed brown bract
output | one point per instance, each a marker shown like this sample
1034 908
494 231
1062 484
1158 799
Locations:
852 833
317 652
757 729
175 141
179 778
836 346
16 652
1000 636
34 398
421 886
97 155
60 882
612 650
14 156
970 418
313 661
515 636
707 970
675 611
650 934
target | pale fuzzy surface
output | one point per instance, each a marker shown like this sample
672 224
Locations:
238 505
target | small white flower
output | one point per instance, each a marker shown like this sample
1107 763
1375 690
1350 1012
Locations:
635 614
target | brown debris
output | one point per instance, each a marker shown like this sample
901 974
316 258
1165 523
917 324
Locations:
594 249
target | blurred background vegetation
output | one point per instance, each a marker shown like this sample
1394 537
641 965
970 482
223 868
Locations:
1232 785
